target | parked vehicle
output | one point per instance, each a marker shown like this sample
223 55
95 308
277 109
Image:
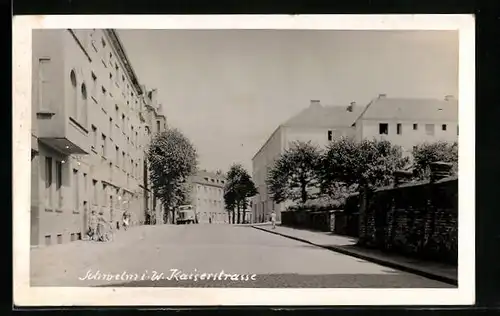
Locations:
186 215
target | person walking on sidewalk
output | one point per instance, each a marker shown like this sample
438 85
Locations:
125 220
93 220
273 219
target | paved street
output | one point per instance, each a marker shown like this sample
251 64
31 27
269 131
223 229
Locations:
213 254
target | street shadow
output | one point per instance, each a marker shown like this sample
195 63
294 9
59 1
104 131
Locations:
389 280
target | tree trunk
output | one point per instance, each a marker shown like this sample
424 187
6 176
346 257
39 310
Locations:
303 193
363 215
238 210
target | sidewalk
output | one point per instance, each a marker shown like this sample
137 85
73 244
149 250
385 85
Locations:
347 245
57 264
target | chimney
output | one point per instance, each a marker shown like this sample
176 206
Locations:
449 97
315 103
382 95
351 106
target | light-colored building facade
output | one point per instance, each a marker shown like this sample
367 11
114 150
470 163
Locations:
408 122
156 123
88 134
318 124
404 122
207 189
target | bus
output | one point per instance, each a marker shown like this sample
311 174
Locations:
186 215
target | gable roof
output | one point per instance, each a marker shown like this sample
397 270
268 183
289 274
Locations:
324 117
406 109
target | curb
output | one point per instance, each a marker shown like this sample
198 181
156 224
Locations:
389 264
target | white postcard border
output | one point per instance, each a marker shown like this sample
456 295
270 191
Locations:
59 296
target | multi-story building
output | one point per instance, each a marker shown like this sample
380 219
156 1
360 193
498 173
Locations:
408 122
318 124
207 189
88 134
155 123
404 122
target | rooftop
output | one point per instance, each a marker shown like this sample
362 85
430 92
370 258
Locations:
406 109
208 178
321 116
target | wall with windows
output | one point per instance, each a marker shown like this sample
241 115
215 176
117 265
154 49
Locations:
408 133
82 69
208 199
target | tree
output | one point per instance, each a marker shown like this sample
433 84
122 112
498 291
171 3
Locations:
238 190
294 174
172 159
426 153
367 164
363 165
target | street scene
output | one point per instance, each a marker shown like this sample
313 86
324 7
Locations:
244 158
148 252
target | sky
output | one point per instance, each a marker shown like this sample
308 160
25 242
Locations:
228 90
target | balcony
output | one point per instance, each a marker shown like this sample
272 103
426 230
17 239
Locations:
63 134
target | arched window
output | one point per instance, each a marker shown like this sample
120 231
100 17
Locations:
73 95
83 109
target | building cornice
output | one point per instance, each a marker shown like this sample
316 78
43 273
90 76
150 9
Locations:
120 50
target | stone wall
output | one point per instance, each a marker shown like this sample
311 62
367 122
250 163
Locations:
320 220
414 219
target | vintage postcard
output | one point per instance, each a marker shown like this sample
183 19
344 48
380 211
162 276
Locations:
244 160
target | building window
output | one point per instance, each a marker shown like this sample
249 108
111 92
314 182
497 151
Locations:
443 127
117 155
457 129
330 135
103 195
123 160
123 122
383 128
103 145
94 86
415 127
429 129
103 97
399 129
85 187
74 94
59 184
76 190
48 180
94 137
103 42
157 126
94 192
111 128
44 84
83 113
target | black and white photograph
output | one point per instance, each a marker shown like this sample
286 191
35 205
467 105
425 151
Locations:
234 163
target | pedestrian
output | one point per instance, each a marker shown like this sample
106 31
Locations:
93 220
273 219
126 220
